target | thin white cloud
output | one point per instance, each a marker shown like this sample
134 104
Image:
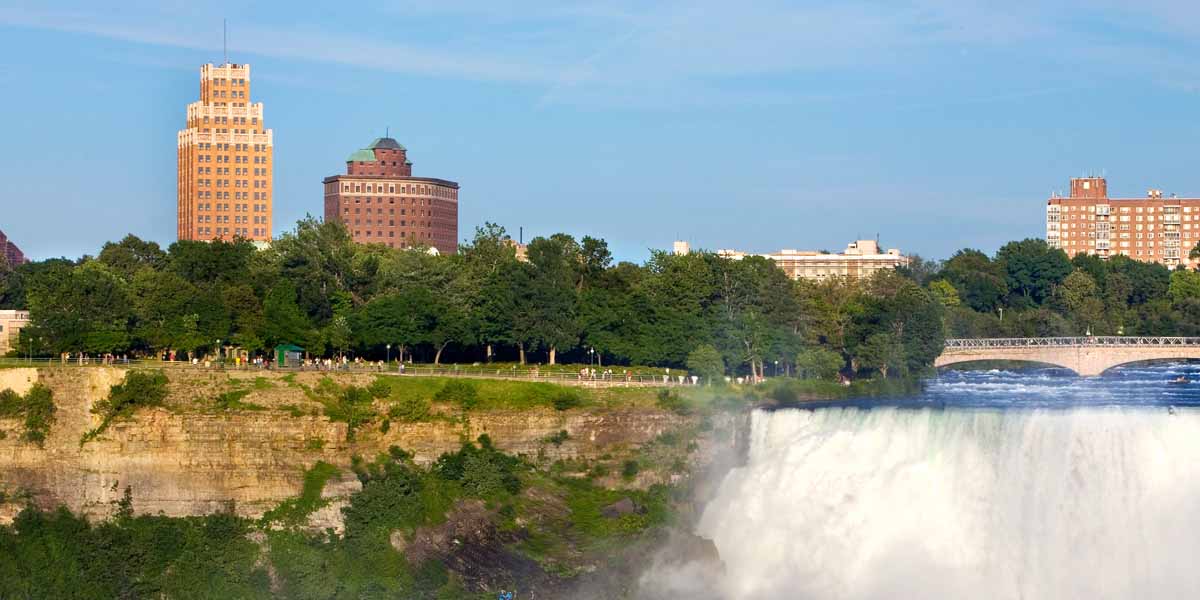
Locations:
627 52
300 43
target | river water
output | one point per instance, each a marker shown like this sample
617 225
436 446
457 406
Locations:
1024 484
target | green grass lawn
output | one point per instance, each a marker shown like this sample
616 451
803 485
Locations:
499 394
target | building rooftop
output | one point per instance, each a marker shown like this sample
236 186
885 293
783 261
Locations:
386 143
867 249
434 180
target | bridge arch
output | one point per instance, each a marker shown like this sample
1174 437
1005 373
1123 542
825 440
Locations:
965 362
1147 362
1087 356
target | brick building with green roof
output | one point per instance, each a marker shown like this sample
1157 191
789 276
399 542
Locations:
380 201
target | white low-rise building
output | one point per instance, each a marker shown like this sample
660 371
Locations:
861 259
11 324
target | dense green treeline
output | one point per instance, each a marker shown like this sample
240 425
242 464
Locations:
315 288
1029 289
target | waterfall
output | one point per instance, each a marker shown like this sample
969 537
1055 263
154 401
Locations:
843 502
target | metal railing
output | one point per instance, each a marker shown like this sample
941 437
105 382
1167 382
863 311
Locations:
601 378
1070 342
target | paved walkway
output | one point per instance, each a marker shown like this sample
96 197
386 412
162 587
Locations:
530 375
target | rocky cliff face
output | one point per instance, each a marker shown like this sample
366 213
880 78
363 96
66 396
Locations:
179 461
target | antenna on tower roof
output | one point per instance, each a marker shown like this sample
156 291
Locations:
387 132
225 39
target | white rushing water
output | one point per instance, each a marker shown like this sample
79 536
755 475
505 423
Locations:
1095 502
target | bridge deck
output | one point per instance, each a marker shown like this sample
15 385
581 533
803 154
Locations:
1087 355
1071 342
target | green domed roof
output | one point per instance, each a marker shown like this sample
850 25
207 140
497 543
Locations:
364 155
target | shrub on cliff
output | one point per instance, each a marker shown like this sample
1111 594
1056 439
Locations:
566 398
457 391
409 407
396 494
484 472
668 400
379 388
37 408
294 511
141 389
352 406
232 400
60 555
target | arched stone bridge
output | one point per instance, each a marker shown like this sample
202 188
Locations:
1087 356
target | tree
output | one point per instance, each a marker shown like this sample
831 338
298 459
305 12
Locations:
284 322
611 313
980 282
1037 322
882 352
1147 281
819 363
553 292
400 318
706 362
190 339
1079 299
675 308
1184 286
338 334
450 322
920 270
131 255
911 316
206 263
828 310
1094 266
320 259
488 266
245 310
945 292
1032 269
161 301
594 258
80 309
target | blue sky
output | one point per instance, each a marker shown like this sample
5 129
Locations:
757 125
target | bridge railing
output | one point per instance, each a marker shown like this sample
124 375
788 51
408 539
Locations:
1070 342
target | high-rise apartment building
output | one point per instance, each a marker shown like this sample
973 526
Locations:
225 161
1152 229
860 260
380 202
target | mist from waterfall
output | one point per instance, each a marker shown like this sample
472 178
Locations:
1009 500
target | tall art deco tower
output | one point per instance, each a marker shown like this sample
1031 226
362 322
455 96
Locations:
225 161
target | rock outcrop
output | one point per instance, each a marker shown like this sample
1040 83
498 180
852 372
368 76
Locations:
183 460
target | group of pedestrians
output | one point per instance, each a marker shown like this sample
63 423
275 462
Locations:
605 375
343 363
83 358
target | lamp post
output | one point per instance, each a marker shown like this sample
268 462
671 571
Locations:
775 373
389 354
591 353
218 350
1001 309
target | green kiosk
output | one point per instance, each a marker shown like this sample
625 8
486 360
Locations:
288 355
